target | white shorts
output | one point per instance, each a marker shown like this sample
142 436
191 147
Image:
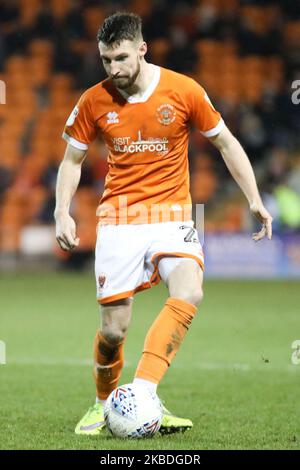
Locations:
127 256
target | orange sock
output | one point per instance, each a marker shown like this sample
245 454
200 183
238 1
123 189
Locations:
164 338
108 363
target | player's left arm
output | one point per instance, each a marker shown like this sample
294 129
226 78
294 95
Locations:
240 168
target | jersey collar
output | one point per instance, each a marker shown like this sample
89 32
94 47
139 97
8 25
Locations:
149 91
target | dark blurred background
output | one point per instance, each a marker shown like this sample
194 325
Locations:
245 53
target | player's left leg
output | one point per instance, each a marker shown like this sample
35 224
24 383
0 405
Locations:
184 279
167 332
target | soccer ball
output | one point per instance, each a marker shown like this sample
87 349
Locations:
132 410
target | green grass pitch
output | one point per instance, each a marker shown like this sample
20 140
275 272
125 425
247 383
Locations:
233 375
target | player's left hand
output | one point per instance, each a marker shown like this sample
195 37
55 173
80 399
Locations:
261 213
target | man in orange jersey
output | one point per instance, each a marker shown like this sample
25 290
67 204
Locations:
145 233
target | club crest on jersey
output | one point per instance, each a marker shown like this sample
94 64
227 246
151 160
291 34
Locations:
101 280
112 117
166 114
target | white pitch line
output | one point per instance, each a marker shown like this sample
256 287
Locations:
49 361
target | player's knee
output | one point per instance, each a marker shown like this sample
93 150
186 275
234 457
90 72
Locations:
191 294
115 319
196 296
114 336
185 282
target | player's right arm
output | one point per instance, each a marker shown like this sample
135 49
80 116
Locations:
67 182
80 130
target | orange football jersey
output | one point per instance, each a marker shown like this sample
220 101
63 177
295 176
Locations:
147 142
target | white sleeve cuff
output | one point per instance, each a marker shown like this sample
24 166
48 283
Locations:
215 130
75 143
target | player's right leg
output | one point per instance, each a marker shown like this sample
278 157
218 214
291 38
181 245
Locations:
119 271
108 361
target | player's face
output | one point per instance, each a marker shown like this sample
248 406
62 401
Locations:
122 63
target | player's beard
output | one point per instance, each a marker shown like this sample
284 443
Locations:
127 82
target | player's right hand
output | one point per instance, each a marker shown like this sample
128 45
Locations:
261 213
66 232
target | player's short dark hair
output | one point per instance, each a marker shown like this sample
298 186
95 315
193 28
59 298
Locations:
118 27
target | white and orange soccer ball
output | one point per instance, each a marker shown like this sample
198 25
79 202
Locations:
133 411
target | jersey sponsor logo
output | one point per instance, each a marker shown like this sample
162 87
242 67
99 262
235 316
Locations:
73 116
112 117
166 114
126 145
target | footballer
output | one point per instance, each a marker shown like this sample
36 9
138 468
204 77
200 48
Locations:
145 231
